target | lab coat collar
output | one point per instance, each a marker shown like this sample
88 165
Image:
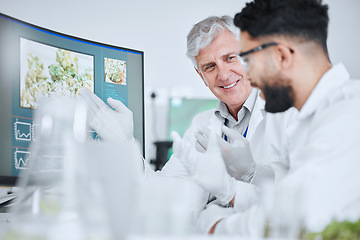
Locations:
332 80
258 114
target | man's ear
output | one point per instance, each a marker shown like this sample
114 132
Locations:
285 56
201 75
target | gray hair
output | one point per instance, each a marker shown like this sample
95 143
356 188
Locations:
204 32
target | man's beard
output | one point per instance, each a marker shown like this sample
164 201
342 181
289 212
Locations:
278 98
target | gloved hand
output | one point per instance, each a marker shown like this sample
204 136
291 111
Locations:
202 139
237 155
109 124
208 169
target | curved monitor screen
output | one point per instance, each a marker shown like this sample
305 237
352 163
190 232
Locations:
36 61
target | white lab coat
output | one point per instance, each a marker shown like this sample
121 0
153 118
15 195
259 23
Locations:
269 147
273 156
324 150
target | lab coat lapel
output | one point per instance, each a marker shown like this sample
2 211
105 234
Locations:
256 116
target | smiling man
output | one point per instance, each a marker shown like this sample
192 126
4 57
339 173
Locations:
213 47
221 71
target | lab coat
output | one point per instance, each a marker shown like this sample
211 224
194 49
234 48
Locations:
273 156
269 147
324 150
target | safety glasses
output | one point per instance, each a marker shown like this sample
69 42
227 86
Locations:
245 56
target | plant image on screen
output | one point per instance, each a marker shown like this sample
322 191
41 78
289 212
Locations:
115 71
47 70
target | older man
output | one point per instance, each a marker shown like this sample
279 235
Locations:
213 47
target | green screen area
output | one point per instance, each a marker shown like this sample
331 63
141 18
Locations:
182 111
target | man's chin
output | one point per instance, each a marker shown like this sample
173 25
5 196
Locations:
278 98
276 108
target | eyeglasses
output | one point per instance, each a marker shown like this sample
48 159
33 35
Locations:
244 60
244 57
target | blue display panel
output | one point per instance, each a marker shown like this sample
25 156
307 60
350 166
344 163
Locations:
38 62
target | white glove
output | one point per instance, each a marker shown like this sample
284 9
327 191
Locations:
237 155
202 139
208 169
109 124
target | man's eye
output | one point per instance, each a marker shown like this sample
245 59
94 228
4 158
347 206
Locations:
209 68
231 58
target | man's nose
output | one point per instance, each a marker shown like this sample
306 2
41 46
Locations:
224 72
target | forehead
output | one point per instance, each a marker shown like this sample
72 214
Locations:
225 43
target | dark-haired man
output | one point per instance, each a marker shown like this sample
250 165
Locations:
283 47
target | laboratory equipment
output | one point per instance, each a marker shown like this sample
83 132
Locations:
72 188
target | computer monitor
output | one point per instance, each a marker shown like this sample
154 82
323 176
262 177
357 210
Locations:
35 61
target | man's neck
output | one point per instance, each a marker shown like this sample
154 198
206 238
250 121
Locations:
234 112
307 81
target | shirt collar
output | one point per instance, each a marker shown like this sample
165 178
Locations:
222 111
332 80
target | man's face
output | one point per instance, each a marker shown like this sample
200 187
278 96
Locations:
222 72
266 75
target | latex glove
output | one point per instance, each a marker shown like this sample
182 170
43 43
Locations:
202 139
208 169
237 155
109 124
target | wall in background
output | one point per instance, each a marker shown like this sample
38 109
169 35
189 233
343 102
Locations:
159 28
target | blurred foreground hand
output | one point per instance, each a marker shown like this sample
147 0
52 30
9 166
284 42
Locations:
208 169
108 123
